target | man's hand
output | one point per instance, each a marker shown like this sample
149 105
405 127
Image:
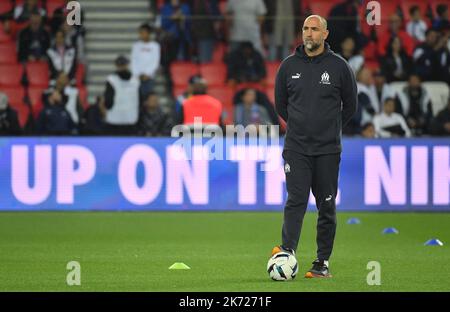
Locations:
144 77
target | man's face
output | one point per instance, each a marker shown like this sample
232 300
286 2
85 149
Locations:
394 23
369 132
414 81
144 35
249 97
35 21
389 107
431 38
152 102
313 34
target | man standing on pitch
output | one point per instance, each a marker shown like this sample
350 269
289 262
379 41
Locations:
315 93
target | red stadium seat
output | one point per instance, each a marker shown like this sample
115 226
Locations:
83 95
178 90
38 74
8 53
322 7
223 93
370 51
372 65
270 92
23 113
35 96
4 37
219 53
11 75
272 69
215 74
254 85
16 28
5 6
80 75
180 72
15 95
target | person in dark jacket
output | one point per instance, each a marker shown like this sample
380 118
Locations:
9 122
205 27
316 94
34 40
396 64
440 125
245 65
153 120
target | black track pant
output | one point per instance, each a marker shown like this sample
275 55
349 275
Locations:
319 173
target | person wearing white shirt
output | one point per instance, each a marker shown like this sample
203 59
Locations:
389 124
145 59
416 27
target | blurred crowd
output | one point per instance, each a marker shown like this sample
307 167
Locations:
221 59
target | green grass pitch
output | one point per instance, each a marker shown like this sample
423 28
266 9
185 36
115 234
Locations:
227 251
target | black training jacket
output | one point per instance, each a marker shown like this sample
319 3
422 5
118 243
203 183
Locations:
316 96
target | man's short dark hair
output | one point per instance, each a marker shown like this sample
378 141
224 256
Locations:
388 99
413 9
146 27
367 125
441 8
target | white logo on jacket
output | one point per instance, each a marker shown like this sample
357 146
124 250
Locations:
296 76
325 78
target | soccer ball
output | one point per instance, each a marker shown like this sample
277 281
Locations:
282 266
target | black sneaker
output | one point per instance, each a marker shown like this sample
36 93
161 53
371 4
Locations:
319 269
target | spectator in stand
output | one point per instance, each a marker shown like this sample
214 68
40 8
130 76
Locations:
440 125
202 107
431 58
205 27
281 28
34 40
74 37
344 22
122 100
93 118
441 22
61 109
249 112
188 93
69 94
9 122
355 60
415 105
62 58
245 65
145 59
245 20
368 131
390 124
153 121
396 64
176 20
367 100
395 24
381 89
416 27
22 13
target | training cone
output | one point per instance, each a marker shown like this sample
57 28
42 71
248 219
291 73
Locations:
179 266
390 230
434 242
353 221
